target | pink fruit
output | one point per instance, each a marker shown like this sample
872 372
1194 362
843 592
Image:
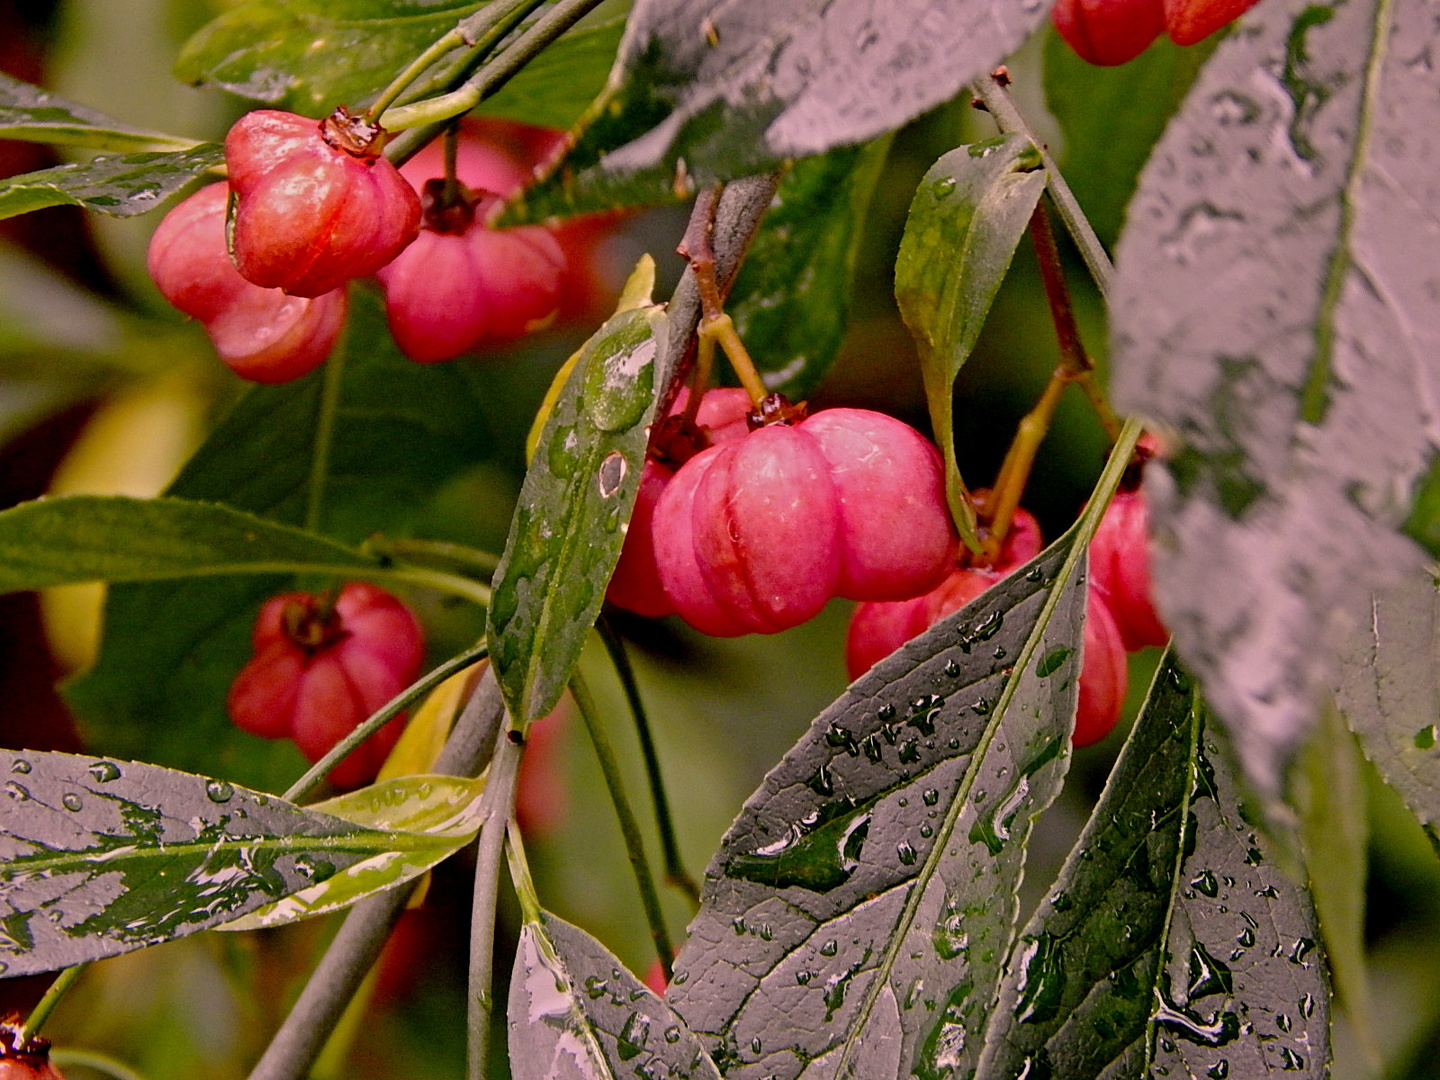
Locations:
1104 674
1120 564
316 203
1189 21
320 668
1109 32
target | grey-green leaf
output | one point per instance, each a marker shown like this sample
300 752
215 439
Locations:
101 856
72 538
855 919
1170 941
576 1012
966 220
566 534
34 113
1274 309
121 186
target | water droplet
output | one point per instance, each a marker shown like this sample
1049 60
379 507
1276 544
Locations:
822 783
1425 738
1290 1061
905 853
803 977
830 948
926 831
105 771
1051 662
1246 939
1206 884
841 737
71 801
1042 981
871 745
672 1035
1207 976
944 187
596 987
219 791
18 792
1228 107
952 668
611 473
1300 953
1219 1071
1199 228
1282 1022
1253 857
633 1037
909 752
756 1046
886 712
20 765
564 452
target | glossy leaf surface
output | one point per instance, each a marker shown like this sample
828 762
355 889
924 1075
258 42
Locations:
566 533
1170 945
34 113
860 907
1274 309
121 186
101 856
577 1014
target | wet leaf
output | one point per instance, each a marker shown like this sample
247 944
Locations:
101 856
576 1012
706 91
121 186
968 216
308 56
855 919
1170 944
71 538
1274 307
566 533
437 815
792 296
35 114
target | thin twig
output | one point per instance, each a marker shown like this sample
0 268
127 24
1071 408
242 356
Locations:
328 406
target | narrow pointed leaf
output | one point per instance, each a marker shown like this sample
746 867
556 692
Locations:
967 218
442 811
705 90
556 88
577 1014
855 919
121 186
1274 309
1170 944
566 534
34 113
74 538
100 856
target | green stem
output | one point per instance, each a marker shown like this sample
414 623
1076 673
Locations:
675 872
530 909
629 824
450 40
439 580
483 562
324 434
87 1059
399 703
38 1015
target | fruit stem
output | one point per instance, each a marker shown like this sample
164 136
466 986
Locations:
46 1005
675 872
325 411
999 508
482 562
721 329
629 825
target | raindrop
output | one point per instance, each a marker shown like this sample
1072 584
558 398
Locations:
952 668
1206 884
1050 663
756 1046
944 187
672 1034
926 831
612 473
18 792
1246 939
803 977
1000 652
20 765
71 801
1425 738
830 948
1282 1022
1299 954
886 712
905 853
596 987
219 791
1228 107
930 797
1290 1061
1219 1071
105 771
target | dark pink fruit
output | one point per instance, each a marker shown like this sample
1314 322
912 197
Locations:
1189 21
1109 32
317 204
319 669
1104 674
1120 564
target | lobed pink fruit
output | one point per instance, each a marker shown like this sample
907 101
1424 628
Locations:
1120 564
1104 674
1109 32
316 204
318 671
261 334
1190 21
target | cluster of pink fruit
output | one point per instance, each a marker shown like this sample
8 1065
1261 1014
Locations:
1109 32
317 205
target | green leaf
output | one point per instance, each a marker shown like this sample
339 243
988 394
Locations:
556 88
101 856
438 815
57 541
308 56
120 186
1271 309
575 1011
34 113
565 536
792 296
968 216
705 90
1170 944
859 910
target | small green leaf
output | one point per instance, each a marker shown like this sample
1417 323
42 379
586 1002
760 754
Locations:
72 538
34 113
566 533
968 217
119 186
792 296
101 856
1171 944
437 815
575 1011
308 56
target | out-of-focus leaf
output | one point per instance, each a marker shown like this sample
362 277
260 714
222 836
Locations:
121 186
574 1011
429 819
102 856
704 90
1170 945
1103 158
792 296
566 533
308 56
856 917
967 218
427 729
34 113
72 538
1274 308
556 88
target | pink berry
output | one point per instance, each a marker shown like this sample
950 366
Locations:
319 669
1104 674
1109 32
1120 564
1189 21
878 628
261 334
317 204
